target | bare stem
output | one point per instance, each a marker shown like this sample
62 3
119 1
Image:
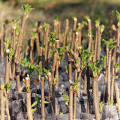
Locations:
28 98
42 99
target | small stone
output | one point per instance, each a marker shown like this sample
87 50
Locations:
62 106
109 112
63 117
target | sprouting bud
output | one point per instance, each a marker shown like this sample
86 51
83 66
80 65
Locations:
89 20
27 78
62 86
14 27
49 73
76 35
71 82
90 36
7 51
75 19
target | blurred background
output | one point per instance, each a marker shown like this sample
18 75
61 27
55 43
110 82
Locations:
48 10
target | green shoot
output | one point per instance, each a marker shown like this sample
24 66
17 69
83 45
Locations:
118 17
90 90
52 52
103 60
84 57
7 42
75 85
27 8
27 89
101 106
25 62
8 86
97 23
60 52
117 65
2 85
61 113
77 61
66 68
109 44
37 103
66 99
45 26
52 38
10 54
102 28
83 24
96 68
110 103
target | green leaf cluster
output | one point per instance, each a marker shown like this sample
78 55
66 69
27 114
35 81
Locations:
34 34
96 67
110 44
45 26
118 17
37 103
101 106
57 18
77 61
110 102
104 58
31 67
89 33
102 28
66 99
76 30
75 85
61 51
117 65
8 86
83 24
85 55
90 90
15 21
10 54
45 72
28 89
52 52
86 18
7 42
52 38
27 8
97 23
69 45
25 62
16 25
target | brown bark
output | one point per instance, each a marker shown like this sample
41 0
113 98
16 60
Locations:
42 99
109 64
2 104
70 91
95 100
117 98
28 98
7 70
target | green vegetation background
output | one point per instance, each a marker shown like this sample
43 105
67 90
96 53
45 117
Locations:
67 8
47 10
